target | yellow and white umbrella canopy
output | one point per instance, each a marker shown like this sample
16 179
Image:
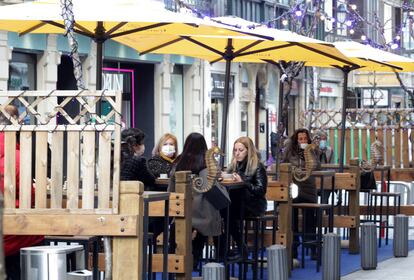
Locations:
372 59
285 45
117 17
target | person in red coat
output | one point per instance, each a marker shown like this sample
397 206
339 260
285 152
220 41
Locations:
13 243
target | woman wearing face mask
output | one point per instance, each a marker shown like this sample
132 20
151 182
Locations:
133 164
294 154
164 155
325 152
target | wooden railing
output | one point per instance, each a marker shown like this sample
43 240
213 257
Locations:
84 164
398 147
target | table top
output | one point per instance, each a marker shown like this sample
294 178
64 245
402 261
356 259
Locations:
154 196
160 181
336 166
323 173
232 185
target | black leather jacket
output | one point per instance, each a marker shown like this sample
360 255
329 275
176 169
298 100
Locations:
255 194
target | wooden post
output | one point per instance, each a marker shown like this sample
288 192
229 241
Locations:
354 208
183 225
127 251
285 233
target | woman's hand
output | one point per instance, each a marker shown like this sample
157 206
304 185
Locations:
237 178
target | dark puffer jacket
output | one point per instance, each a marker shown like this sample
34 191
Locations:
255 194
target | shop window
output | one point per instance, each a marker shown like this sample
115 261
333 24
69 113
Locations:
22 76
176 104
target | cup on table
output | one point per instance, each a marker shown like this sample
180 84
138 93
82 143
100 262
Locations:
227 176
164 176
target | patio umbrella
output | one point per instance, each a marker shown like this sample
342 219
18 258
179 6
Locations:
285 45
368 59
101 20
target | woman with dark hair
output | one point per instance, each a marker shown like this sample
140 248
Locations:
294 154
133 164
206 219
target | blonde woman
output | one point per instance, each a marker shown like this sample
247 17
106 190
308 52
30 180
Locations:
164 155
247 168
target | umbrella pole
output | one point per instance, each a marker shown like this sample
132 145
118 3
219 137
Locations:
225 110
346 71
100 39
100 32
228 57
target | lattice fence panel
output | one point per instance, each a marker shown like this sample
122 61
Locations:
69 162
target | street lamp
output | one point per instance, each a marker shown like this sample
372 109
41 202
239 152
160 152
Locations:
341 14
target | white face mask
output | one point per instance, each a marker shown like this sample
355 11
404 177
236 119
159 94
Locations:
303 145
168 150
322 144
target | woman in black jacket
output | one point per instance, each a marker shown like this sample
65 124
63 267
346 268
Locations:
246 167
133 164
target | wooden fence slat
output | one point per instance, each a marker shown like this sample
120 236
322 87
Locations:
41 169
73 170
332 138
364 144
339 143
405 150
356 143
348 145
117 153
397 145
9 169
25 186
104 177
371 140
56 171
412 146
389 146
88 168
380 137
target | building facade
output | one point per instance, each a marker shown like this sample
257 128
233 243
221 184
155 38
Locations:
180 95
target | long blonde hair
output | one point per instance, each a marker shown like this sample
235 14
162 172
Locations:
252 157
165 137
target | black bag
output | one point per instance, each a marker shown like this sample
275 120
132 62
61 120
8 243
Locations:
368 181
218 196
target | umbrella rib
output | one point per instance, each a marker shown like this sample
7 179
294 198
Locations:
115 28
202 45
37 26
161 46
139 29
383 63
255 43
83 30
85 33
264 50
325 54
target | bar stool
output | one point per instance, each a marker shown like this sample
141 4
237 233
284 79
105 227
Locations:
317 241
259 225
383 197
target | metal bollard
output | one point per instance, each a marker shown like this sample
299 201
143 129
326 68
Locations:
277 262
213 271
368 246
331 257
400 236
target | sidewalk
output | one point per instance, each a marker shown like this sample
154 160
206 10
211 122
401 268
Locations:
391 269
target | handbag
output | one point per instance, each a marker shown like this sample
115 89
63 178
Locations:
218 196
